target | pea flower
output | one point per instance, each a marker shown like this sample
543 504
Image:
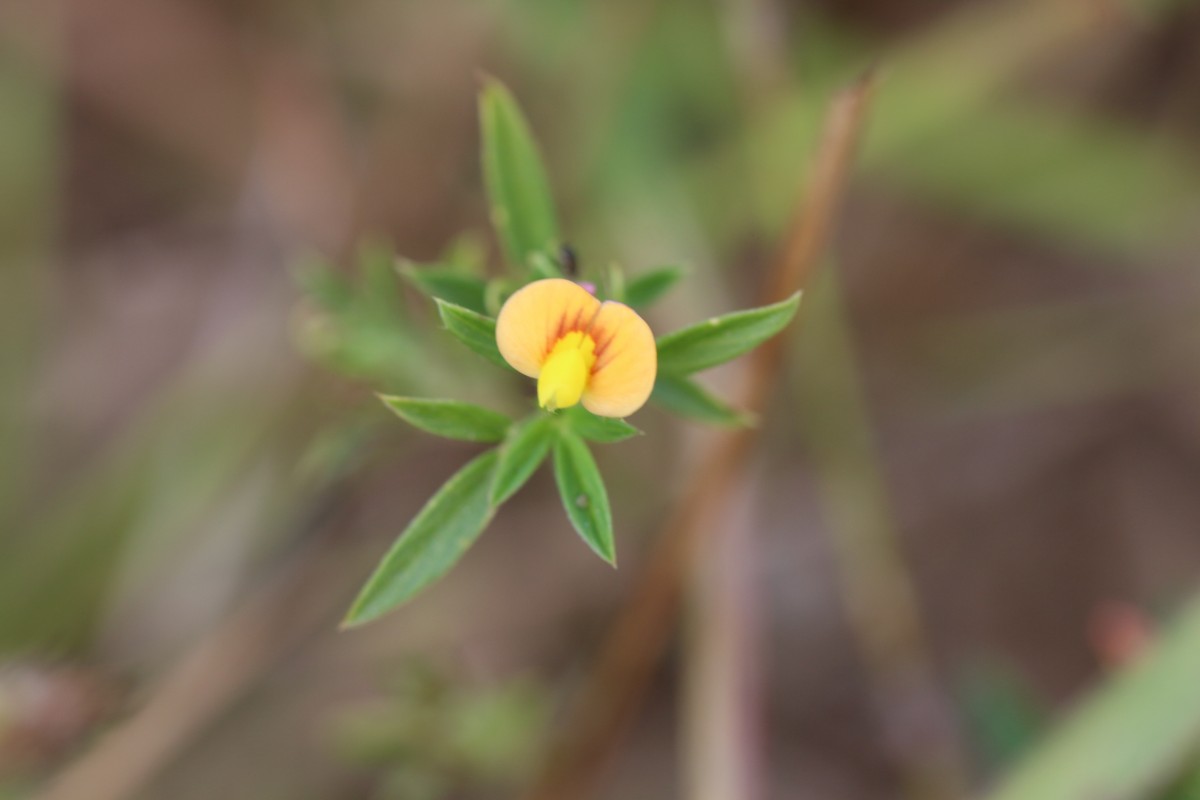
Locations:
578 348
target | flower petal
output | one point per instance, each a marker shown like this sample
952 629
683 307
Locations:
626 362
537 316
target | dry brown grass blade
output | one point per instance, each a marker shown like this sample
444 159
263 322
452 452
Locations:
640 634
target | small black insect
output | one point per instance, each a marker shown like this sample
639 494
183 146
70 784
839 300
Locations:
568 260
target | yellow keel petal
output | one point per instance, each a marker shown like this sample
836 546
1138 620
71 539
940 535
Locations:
537 316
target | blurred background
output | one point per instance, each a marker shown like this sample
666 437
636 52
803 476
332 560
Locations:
976 491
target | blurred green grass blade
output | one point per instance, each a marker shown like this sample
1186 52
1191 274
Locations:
452 285
518 191
644 290
450 418
474 330
1132 736
524 451
720 339
1187 787
583 494
683 396
436 538
31 182
1085 179
598 429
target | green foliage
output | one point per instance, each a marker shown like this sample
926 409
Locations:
598 429
523 215
452 285
450 418
1130 736
353 323
720 339
435 539
523 452
472 329
519 193
683 396
583 494
646 289
434 735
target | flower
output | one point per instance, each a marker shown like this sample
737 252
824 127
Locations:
578 348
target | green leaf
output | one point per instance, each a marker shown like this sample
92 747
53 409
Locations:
1131 737
450 418
687 398
472 329
645 290
519 194
523 452
598 429
451 285
721 339
436 538
583 494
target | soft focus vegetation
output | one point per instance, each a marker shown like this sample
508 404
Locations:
959 559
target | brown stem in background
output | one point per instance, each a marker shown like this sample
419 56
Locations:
639 636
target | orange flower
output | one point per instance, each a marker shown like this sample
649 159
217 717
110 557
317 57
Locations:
579 349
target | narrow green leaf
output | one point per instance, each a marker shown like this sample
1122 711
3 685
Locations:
523 452
452 285
450 418
474 330
721 339
518 191
646 289
583 494
598 429
687 398
1131 737
436 538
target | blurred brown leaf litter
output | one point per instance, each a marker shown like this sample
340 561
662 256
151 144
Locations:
988 398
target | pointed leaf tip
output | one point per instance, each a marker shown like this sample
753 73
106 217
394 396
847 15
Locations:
583 494
433 542
720 339
450 418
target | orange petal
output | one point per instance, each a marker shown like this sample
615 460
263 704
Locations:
537 316
626 362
